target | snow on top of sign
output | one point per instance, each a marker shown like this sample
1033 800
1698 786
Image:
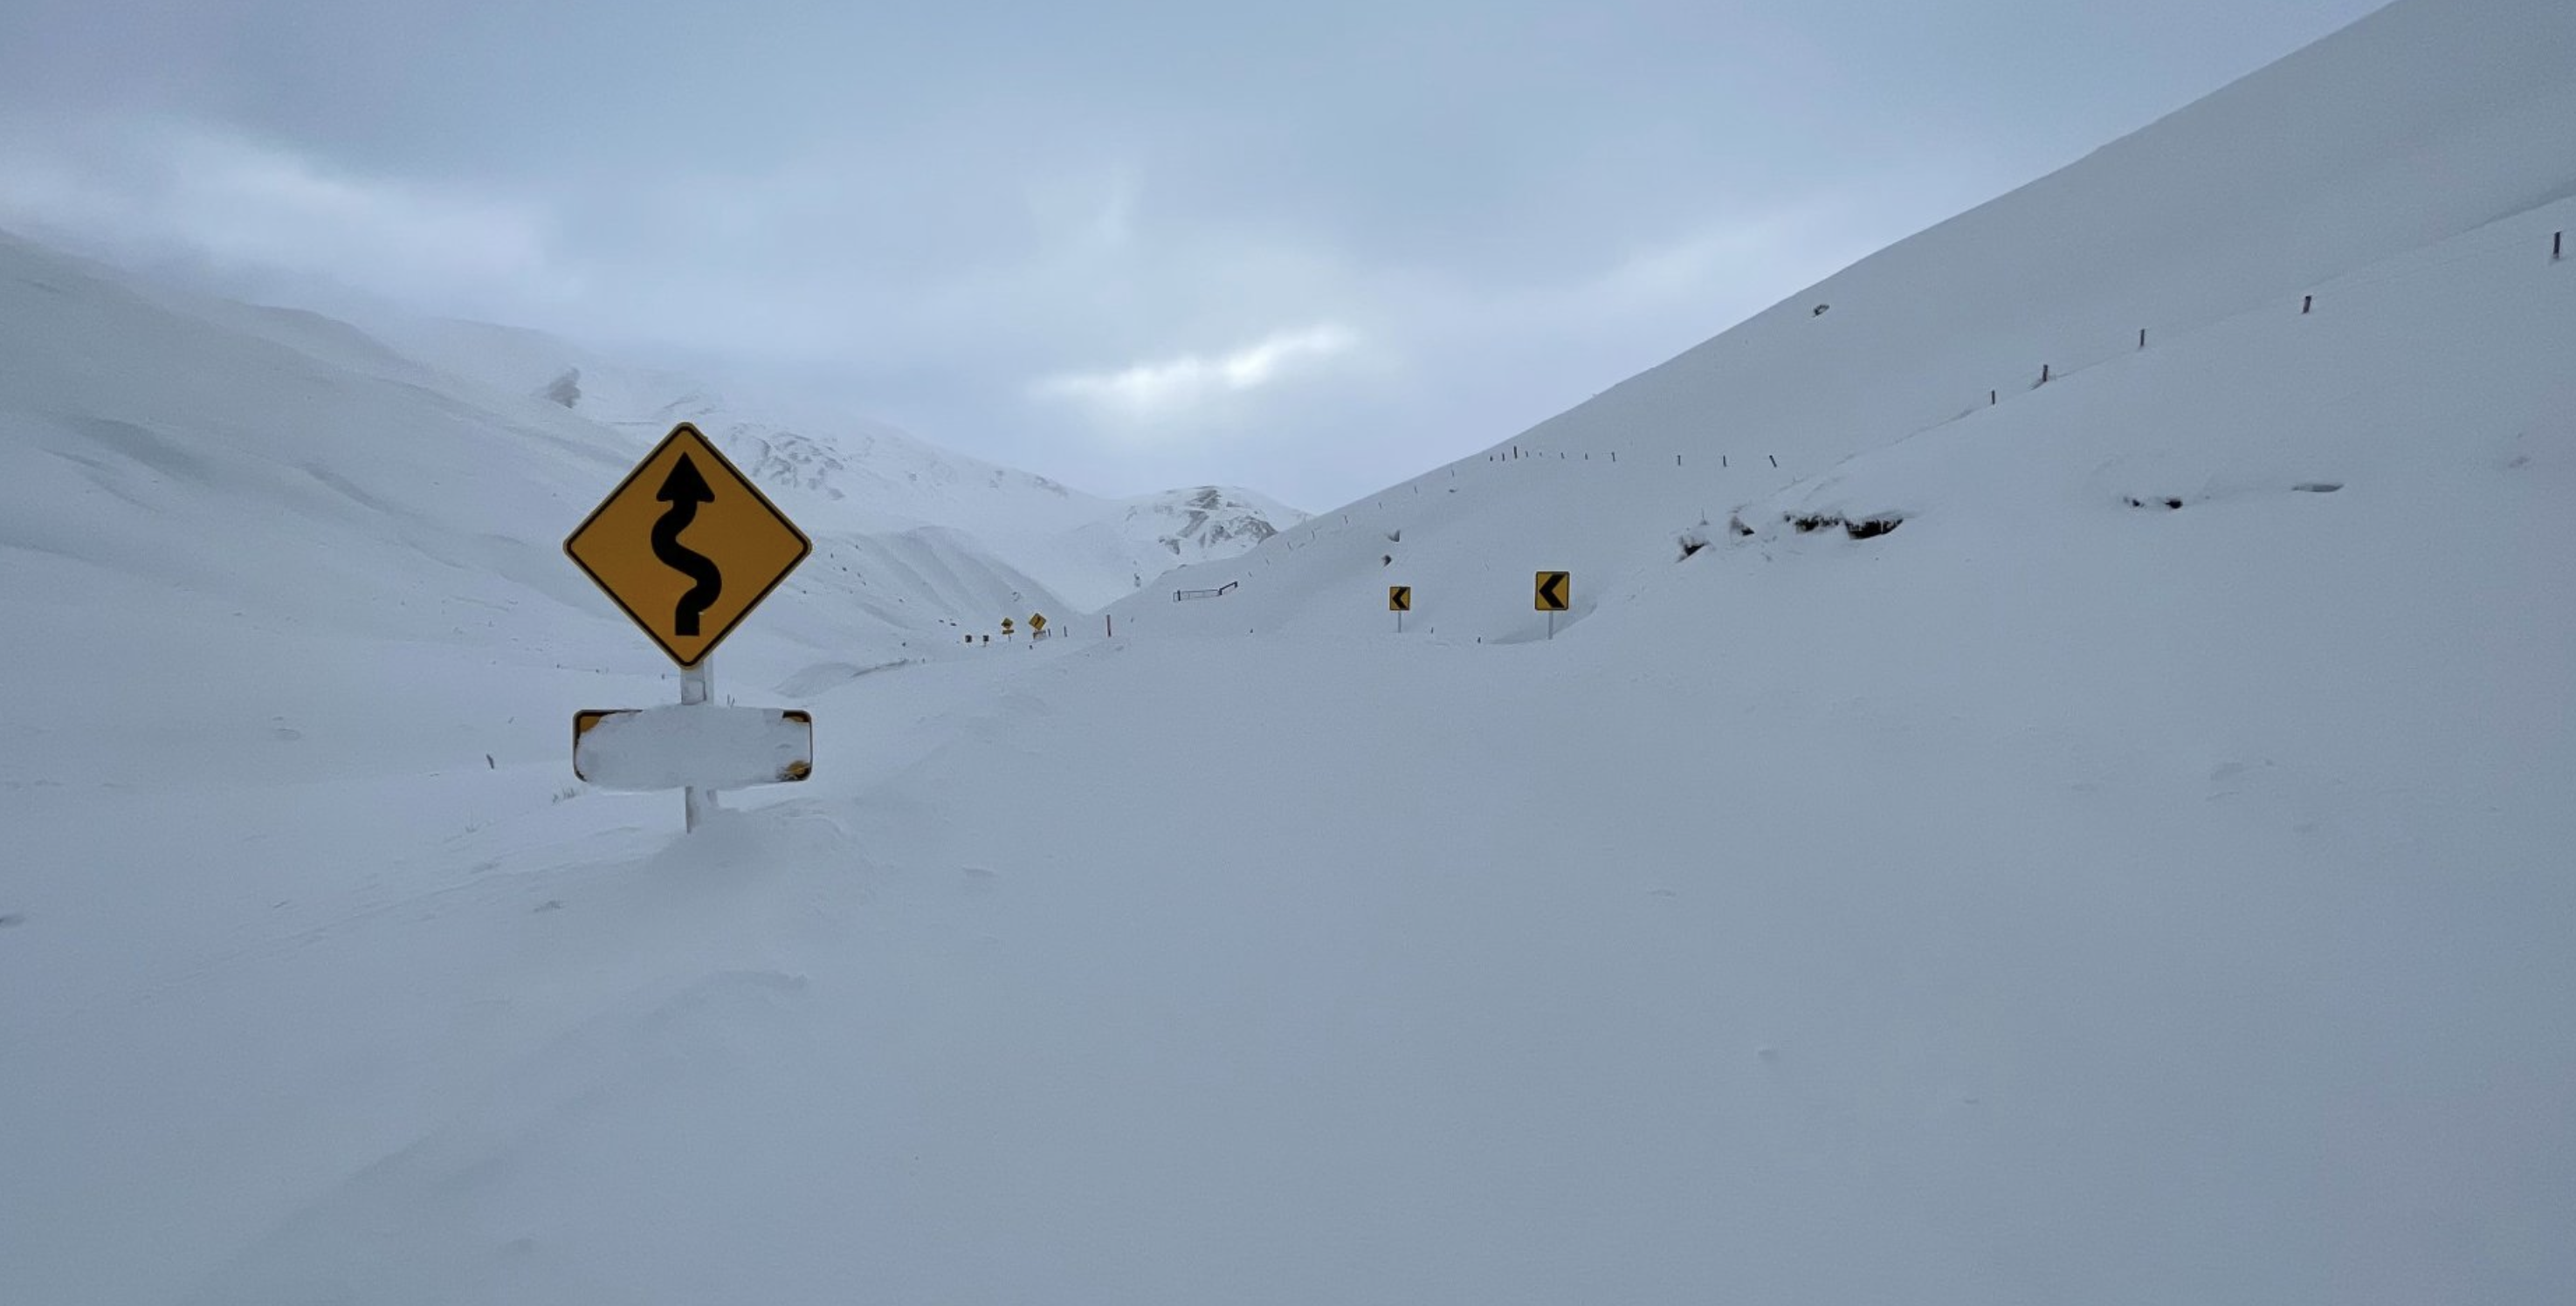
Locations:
711 747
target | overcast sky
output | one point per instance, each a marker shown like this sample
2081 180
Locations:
1311 248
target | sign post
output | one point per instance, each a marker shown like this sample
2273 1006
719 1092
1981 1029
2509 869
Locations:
686 546
697 688
1399 600
1554 595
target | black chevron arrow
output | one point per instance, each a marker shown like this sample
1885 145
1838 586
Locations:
684 489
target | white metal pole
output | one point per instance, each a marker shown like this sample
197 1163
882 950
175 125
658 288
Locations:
698 686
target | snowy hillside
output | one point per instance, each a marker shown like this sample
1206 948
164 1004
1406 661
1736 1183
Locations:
200 496
2104 845
2422 124
862 475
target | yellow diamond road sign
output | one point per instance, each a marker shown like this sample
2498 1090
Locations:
687 545
1554 591
1037 621
1399 598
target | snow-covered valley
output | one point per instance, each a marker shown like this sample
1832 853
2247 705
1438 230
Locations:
2130 867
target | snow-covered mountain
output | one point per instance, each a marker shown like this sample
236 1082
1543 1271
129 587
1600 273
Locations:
268 479
2328 176
1208 522
2101 842
1148 536
860 475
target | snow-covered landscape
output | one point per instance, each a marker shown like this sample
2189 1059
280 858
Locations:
2056 785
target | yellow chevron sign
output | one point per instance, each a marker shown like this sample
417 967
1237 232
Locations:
1555 591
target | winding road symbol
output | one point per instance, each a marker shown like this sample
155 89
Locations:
684 489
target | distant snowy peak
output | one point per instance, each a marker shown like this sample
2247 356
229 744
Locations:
829 466
806 453
1207 522
842 474
787 459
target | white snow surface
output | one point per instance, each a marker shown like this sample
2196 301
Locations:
2058 897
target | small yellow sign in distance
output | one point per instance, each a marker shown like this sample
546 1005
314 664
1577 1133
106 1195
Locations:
687 545
1037 621
1555 591
1399 598
1006 625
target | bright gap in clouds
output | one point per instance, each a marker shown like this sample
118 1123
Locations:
1174 386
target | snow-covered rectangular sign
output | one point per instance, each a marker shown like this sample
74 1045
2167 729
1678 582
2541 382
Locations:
692 745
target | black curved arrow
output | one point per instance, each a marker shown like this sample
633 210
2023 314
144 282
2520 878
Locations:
684 489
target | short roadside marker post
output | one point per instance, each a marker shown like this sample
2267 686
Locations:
1553 594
